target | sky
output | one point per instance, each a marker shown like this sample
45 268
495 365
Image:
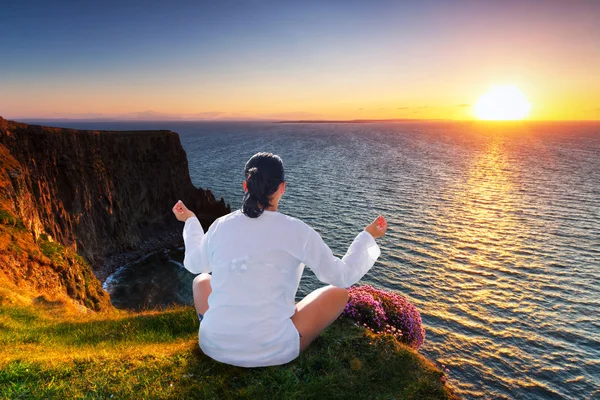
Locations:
348 59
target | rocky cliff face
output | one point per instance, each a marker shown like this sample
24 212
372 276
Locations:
105 195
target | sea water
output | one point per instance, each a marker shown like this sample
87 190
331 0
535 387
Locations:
494 234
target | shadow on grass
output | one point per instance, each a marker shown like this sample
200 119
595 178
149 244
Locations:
22 315
164 327
33 326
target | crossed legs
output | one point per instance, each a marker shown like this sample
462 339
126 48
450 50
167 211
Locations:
313 314
317 311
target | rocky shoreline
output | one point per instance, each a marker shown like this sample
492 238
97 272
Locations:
109 264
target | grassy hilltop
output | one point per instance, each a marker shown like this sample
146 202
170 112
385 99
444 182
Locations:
50 349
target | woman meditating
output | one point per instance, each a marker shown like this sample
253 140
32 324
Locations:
256 255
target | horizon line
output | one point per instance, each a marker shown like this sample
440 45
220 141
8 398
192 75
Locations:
276 120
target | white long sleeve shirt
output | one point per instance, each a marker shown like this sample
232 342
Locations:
256 266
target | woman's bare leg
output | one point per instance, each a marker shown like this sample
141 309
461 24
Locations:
201 289
317 311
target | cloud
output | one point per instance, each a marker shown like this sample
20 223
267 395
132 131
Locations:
422 107
293 115
402 108
149 115
210 115
63 115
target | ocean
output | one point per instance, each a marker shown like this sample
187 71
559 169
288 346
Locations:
494 234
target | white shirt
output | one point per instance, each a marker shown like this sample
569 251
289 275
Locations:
256 266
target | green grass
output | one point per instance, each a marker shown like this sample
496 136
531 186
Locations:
48 352
52 250
7 218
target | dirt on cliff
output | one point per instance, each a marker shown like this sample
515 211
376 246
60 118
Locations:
71 199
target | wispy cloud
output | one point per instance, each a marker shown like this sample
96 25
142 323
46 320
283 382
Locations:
147 115
294 115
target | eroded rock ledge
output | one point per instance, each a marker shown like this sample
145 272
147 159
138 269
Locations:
106 195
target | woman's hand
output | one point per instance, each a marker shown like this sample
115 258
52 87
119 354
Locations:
378 227
181 211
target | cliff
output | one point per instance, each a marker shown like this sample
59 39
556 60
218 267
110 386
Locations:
69 198
105 196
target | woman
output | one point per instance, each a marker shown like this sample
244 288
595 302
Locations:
247 310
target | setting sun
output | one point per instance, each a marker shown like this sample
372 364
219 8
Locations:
502 103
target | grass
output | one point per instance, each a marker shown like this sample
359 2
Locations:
53 250
7 218
50 351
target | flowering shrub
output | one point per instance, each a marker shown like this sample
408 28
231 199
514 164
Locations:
385 312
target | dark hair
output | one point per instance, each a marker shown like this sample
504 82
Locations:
264 173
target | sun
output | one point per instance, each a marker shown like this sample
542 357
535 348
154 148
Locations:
502 103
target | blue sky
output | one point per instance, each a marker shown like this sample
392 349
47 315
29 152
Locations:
252 58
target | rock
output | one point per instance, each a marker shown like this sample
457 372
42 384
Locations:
106 195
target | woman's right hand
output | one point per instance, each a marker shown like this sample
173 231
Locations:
378 227
181 212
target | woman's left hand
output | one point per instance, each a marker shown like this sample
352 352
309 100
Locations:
181 212
378 227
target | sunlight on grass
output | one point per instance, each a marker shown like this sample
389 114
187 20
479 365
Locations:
155 354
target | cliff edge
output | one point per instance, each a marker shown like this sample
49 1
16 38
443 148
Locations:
106 196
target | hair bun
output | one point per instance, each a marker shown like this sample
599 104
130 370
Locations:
261 182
